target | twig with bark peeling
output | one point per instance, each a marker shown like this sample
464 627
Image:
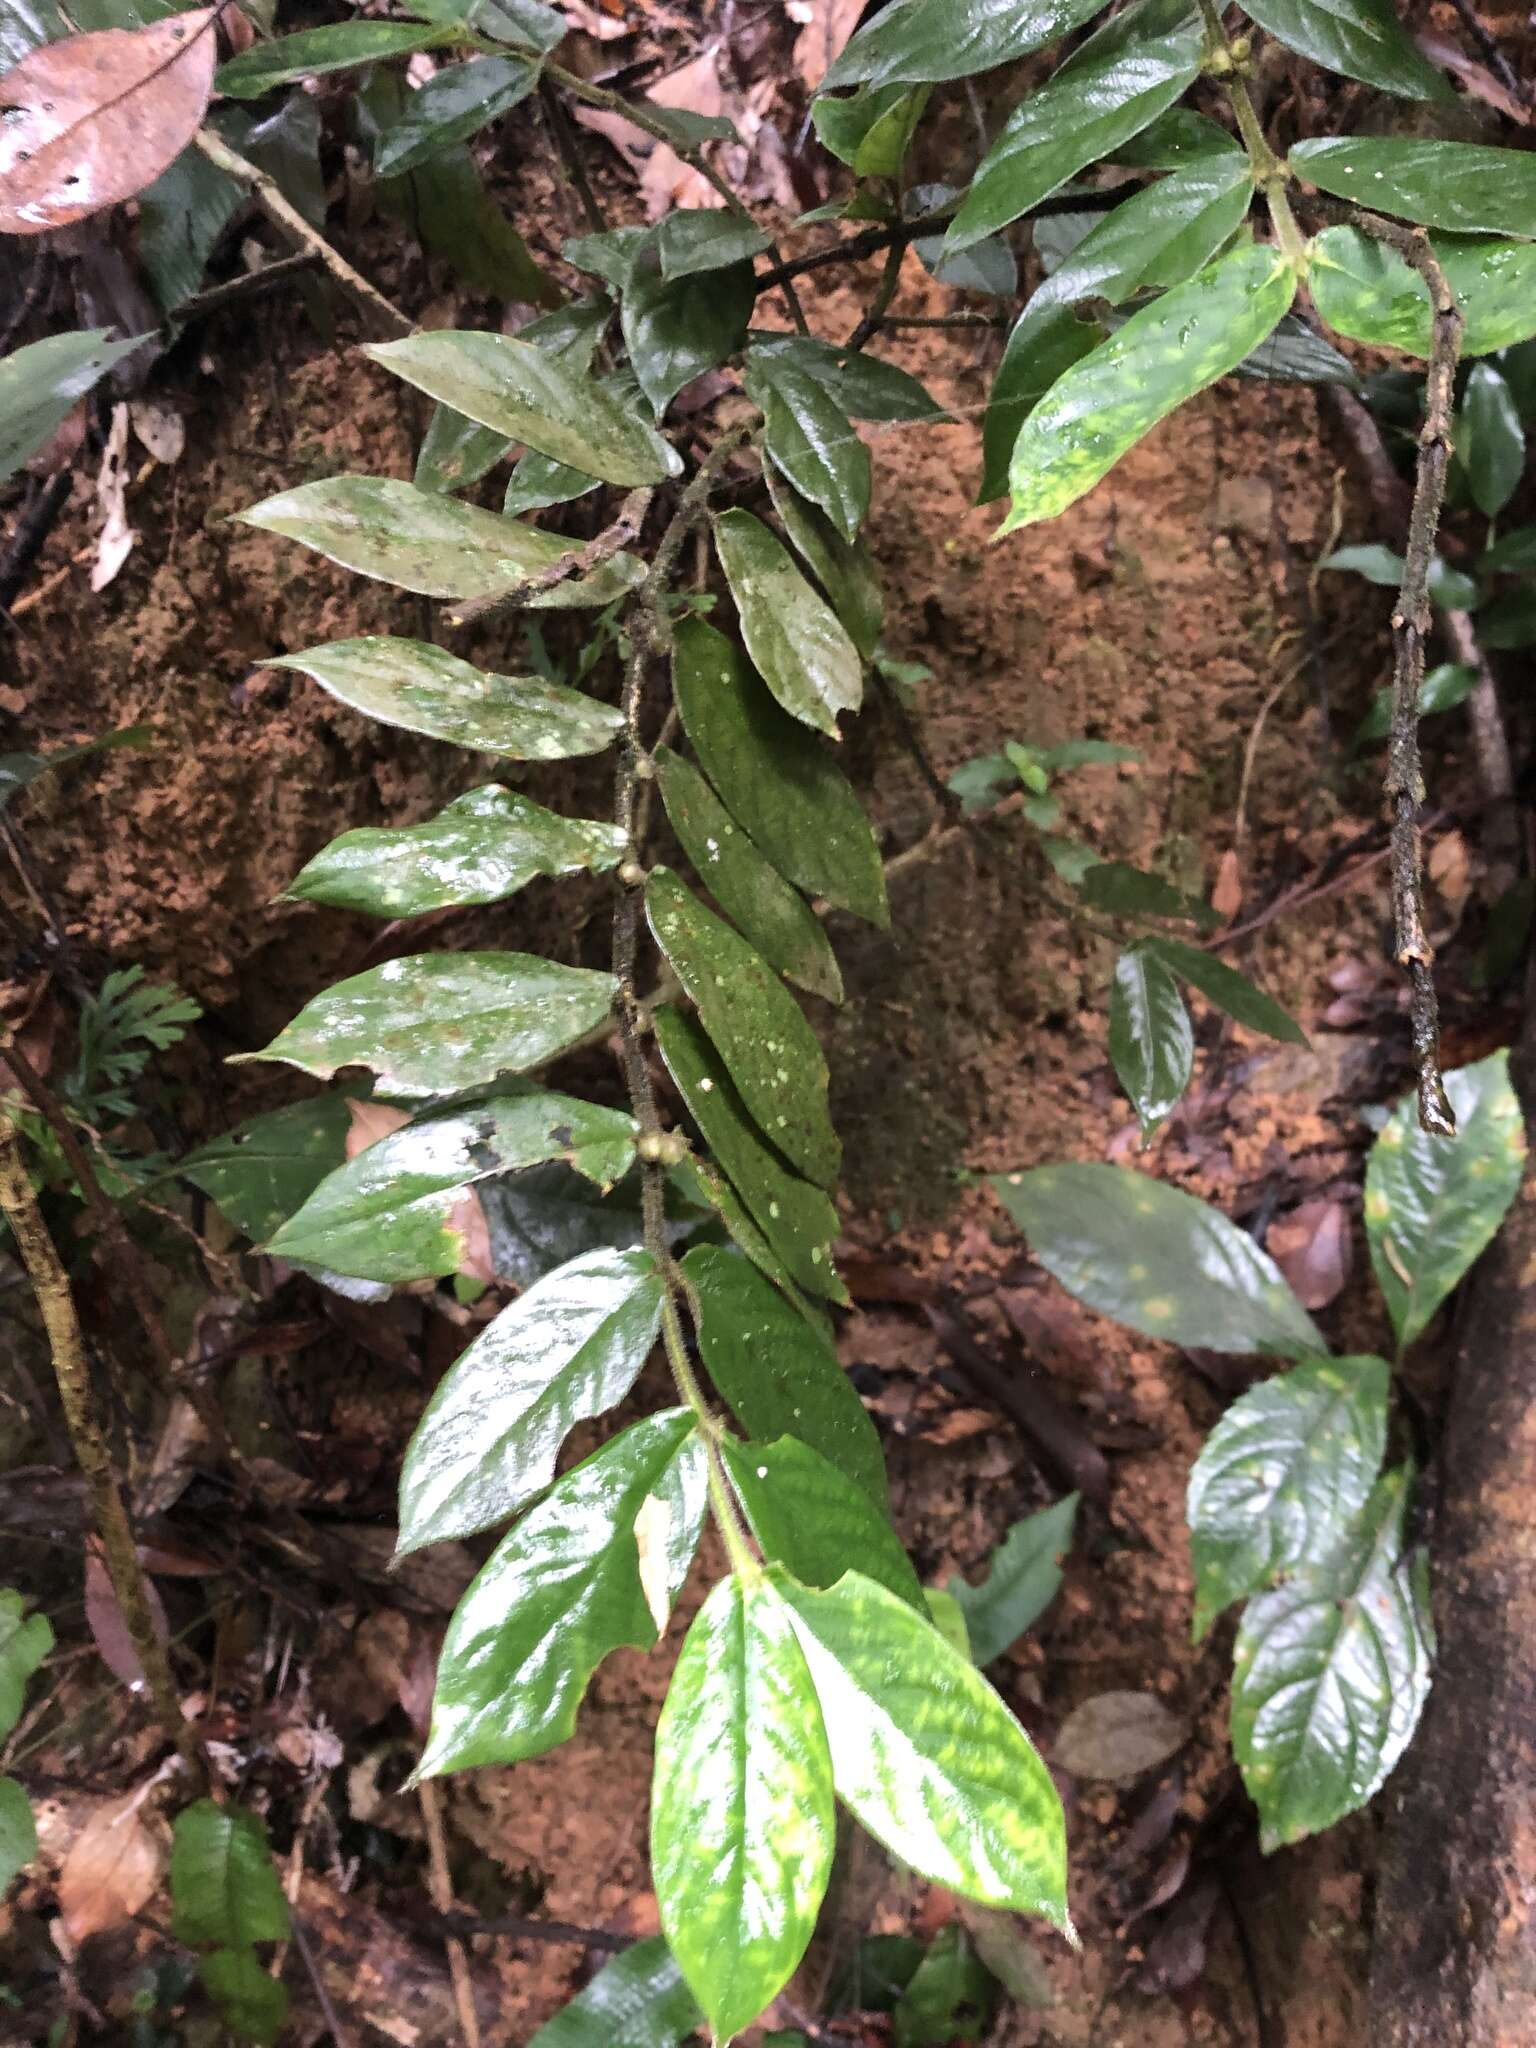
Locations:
580 560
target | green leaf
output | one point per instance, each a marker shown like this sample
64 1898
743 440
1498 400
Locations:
444 205
252 2004
532 395
872 129
1023 1575
1448 587
1363 289
810 1518
1156 1259
560 1592
1490 439
692 240
795 1216
1043 345
779 1376
1283 1476
779 923
1178 139
1115 886
1225 987
389 1213
18 1831
1082 114
20 771
771 1052
1330 1674
1445 686
484 847
25 1640
638 1999
454 104
843 569
811 439
1510 621
1362 38
1162 356
269 1166
951 1997
567 1349
930 40
536 482
39 384
863 385
525 24
925 1754
795 639
425 689
742 1819
1513 554
433 1023
674 328
456 452
1464 187
1297 354
313 51
1151 1041
1432 1205
225 1888
181 217
778 782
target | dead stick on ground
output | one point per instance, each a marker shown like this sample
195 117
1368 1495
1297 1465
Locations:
440 1885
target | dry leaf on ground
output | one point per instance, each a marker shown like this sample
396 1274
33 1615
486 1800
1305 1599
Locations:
112 1869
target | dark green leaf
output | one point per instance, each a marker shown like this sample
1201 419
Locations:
433 1023
863 385
567 1349
988 266
1445 686
695 239
1365 290
252 2004
1125 891
286 145
454 104
484 847
536 482
1156 1259
18 1831
779 923
636 2000
780 1377
1362 38
925 1754
1460 186
181 217
1023 1575
1226 988
1513 554
810 1518
25 1640
981 783
684 128
1297 354
426 689
811 439
225 1889
608 254
315 50
702 1182
420 541
742 1818
1510 621
843 569
1330 1674
1283 1476
19 771
39 384
795 639
1490 439
1150 1039
930 40
456 452
675 329
872 129
266 1168
1043 345
775 779
561 1591
951 1997
1162 356
525 24
1178 139
1433 1204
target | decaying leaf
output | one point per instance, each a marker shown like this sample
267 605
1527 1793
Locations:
112 1869
1118 1735
115 541
374 1120
1311 1246
653 1539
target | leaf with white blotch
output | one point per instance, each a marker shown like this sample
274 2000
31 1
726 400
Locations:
1365 290
759 1029
811 439
251 2002
425 689
419 540
18 1831
795 639
779 923
1156 1259
777 780
433 1023
1362 38
560 1592
865 386
743 1823
1225 987
694 239
1433 1204
25 1640
484 847
532 395
925 41
638 1999
794 1215
1464 187
778 1375
269 1166
1329 1676
810 1518
1151 1041
567 1349
842 568
390 1212
454 104
312 52
924 1753
1161 357
1283 1475
224 1884
39 384
456 452
1023 1575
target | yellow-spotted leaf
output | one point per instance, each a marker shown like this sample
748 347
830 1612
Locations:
1365 290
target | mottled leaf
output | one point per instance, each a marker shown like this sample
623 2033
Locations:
810 1518
811 439
1463 187
18 1831
930 40
1023 1575
39 384
25 1640
1365 290
842 568
266 1168
638 1999
1151 1041
454 104
1225 987
795 639
313 51
224 1884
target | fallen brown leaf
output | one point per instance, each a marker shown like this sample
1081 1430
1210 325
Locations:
828 25
1311 1246
112 1869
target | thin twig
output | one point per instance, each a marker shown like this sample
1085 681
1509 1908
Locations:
569 149
875 312
440 1885
1492 55
251 284
341 2037
32 530
580 560
1490 750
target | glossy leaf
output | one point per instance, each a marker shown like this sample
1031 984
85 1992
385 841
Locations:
1161 357
810 1518
779 1377
779 923
1362 38
742 1819
775 779
269 1166
924 1753
567 1349
1432 1204
1022 1579
1463 187
1125 891
865 386
1151 1041
250 2001
795 639
531 394
693 240
1297 354
525 24
638 1999
795 1216
1178 139
1225 987
1330 1674
1283 1476
536 482
432 1023
390 1213
314 51
872 130
25 1640
1490 440
18 1831
225 1889
1156 1259
842 568
811 439
454 104
1365 290
771 1052
419 540
39 384
484 847
425 689
560 1592
929 40
675 328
